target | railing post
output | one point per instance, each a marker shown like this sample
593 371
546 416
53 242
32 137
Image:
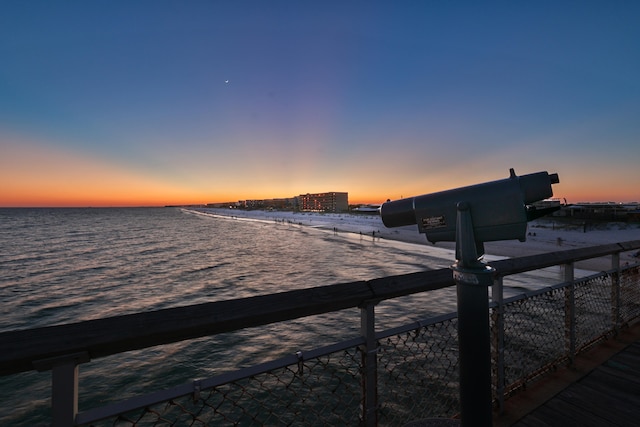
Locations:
64 387
64 394
569 311
615 292
497 296
369 364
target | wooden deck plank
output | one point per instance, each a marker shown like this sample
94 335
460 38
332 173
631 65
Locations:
630 362
532 422
623 367
595 400
613 378
560 413
607 393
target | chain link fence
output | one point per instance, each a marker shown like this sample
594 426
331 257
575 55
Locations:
321 391
545 329
418 373
629 294
417 365
378 377
417 377
534 336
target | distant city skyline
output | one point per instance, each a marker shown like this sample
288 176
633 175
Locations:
152 103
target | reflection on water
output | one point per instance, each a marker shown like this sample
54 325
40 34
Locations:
69 265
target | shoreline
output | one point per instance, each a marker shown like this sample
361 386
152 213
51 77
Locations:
543 235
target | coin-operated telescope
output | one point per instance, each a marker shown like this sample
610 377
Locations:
470 216
499 210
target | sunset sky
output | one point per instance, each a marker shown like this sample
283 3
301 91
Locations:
118 103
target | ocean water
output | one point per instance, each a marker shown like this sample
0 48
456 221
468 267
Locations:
68 265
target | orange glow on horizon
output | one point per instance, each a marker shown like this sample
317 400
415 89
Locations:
158 196
40 175
35 175
125 189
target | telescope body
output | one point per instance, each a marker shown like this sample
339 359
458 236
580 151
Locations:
470 216
499 209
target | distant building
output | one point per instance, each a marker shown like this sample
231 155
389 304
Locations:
602 211
367 209
321 202
269 204
324 202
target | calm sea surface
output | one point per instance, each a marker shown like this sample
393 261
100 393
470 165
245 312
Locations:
69 265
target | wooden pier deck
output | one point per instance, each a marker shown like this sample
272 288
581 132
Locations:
601 389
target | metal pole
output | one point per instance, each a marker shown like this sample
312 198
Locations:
497 296
369 364
64 394
473 279
475 348
570 311
64 386
615 291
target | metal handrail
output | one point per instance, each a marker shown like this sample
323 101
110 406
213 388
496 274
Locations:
107 336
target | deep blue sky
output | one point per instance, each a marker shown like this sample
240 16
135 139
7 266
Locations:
121 102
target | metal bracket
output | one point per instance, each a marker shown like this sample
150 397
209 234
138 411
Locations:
49 363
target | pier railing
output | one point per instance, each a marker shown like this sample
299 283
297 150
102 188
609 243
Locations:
385 377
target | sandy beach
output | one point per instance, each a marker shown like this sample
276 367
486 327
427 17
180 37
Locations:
543 235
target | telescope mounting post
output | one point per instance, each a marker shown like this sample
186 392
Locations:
472 278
